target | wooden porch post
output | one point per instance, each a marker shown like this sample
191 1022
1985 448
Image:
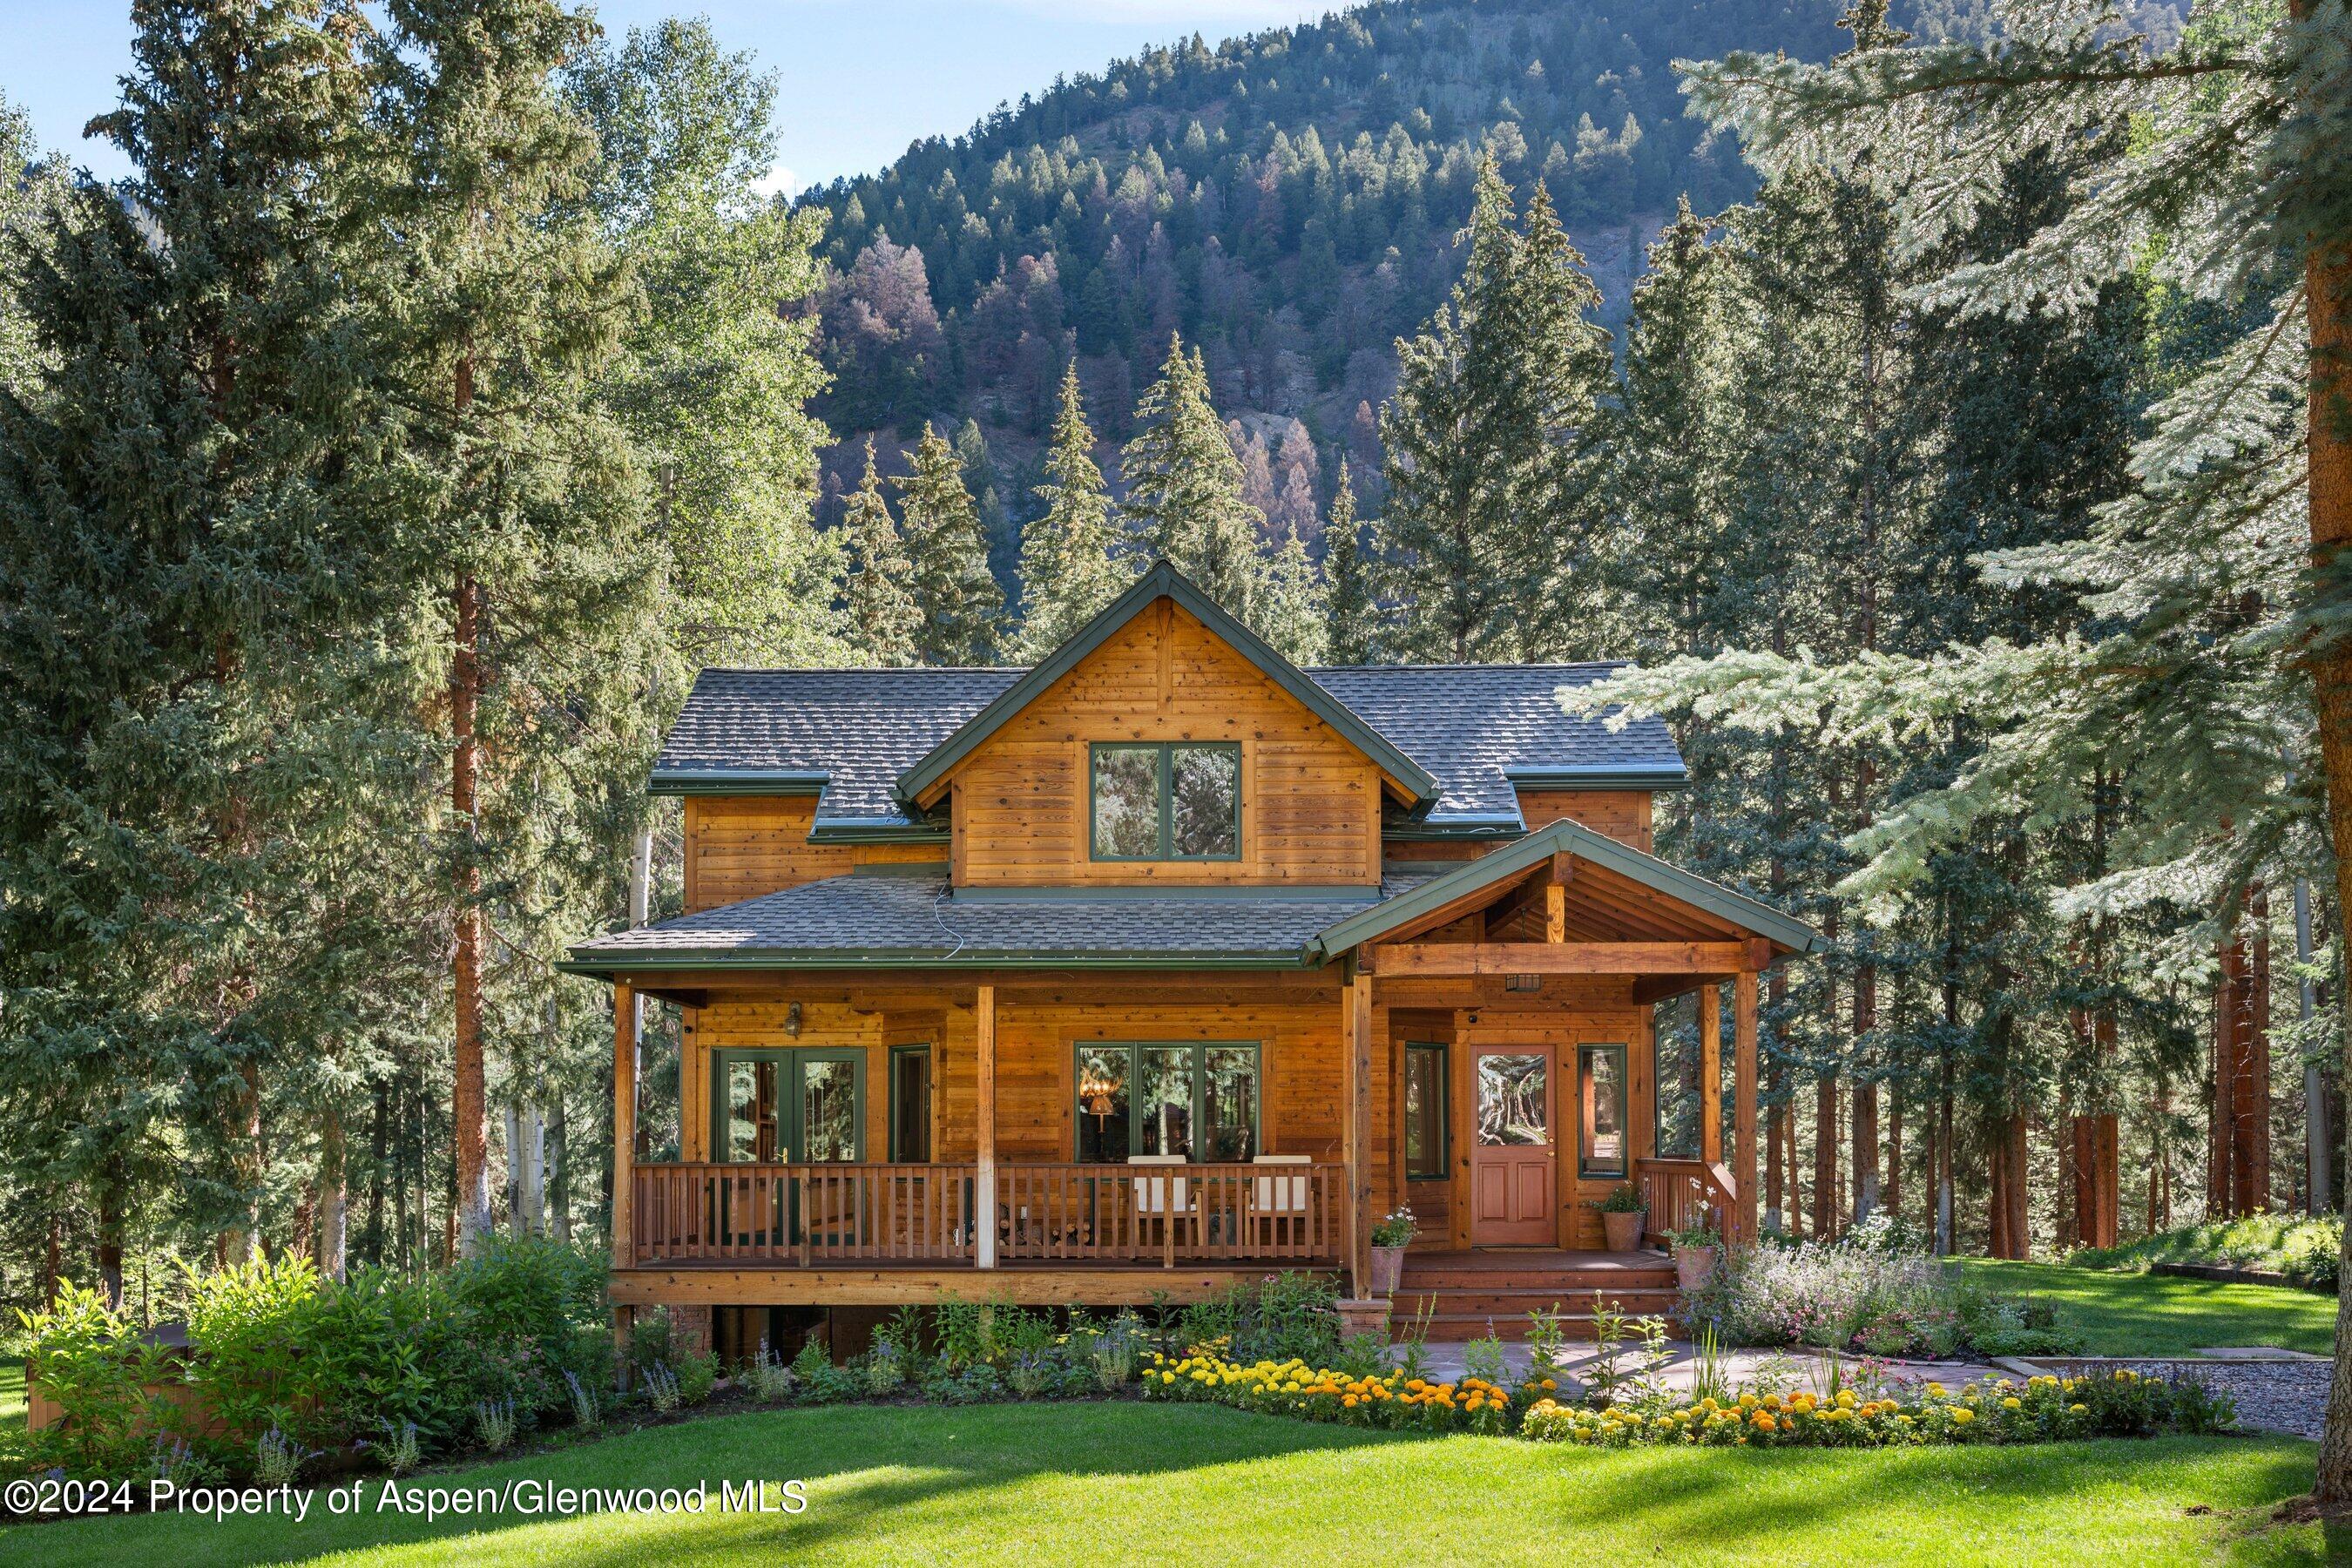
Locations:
985 1143
1743 1086
625 1144
624 1114
1710 1074
1356 1033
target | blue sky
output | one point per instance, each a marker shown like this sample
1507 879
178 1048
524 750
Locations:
859 78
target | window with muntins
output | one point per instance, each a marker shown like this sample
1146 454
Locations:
1165 800
1199 1102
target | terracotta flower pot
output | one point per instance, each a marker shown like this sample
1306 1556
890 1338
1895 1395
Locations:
1694 1266
1623 1231
1388 1268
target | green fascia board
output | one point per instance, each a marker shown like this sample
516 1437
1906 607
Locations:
845 830
1574 838
735 780
787 958
1204 892
1599 777
1163 580
1422 829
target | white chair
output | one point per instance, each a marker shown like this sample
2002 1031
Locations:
1159 1195
1280 1195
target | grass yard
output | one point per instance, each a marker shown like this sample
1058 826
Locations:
1095 1482
2153 1314
12 1391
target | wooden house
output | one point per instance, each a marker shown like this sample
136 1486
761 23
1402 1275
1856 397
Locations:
1163 963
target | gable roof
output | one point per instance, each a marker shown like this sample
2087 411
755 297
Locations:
1514 861
1164 582
846 736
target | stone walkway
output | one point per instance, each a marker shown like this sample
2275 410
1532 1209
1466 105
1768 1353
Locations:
1803 1369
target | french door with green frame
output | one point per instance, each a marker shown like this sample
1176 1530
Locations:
793 1107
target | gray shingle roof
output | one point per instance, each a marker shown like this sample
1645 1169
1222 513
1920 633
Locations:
896 919
1471 726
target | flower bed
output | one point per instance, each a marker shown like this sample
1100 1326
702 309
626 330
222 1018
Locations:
1392 1399
1995 1410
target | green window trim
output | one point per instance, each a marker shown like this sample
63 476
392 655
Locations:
1166 792
898 1150
789 1106
1435 1163
1586 1166
1199 1051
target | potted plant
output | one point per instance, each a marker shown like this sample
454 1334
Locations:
1695 1248
1622 1215
1391 1233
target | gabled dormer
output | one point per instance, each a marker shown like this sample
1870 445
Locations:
1165 744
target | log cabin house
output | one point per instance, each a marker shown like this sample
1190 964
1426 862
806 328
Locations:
1163 963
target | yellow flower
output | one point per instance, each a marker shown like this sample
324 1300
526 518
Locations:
2078 1410
1845 1399
1963 1415
2011 1403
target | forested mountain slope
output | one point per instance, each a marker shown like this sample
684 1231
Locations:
1289 201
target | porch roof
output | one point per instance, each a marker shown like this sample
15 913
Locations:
885 918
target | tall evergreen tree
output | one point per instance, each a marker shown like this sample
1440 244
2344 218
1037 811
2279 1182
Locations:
956 596
186 565
1493 446
884 618
1069 564
1296 618
1184 488
517 496
1351 608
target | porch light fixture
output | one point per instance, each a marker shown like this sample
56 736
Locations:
793 1021
1522 981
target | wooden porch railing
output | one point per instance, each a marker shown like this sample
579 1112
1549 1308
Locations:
803 1215
1171 1214
1680 1194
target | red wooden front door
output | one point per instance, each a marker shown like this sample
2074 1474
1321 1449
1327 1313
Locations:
1513 1147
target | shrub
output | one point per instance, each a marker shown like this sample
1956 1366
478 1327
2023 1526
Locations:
96 1365
1281 1317
1875 1289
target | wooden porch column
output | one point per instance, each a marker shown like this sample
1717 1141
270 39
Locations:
983 1020
1356 1038
1743 1090
624 1114
1710 1074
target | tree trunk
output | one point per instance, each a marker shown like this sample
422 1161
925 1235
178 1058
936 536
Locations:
2327 286
1893 1194
334 1196
2092 1170
110 1237
469 1103
2318 1155
559 1169
1865 1089
2008 1216
1825 1157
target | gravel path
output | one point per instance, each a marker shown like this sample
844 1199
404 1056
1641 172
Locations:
2288 1396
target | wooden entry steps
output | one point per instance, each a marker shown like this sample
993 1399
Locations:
1464 1293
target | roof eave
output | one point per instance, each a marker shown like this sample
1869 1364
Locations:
735 780
1660 777
787 960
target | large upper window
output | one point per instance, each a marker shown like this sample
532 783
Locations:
1167 800
1197 1101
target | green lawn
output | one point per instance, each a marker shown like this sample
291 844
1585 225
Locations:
2153 1314
12 1391
1090 1483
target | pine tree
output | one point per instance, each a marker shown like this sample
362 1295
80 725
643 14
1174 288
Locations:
957 599
1069 568
1351 608
198 740
1184 489
519 497
882 614
1492 442
1297 614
